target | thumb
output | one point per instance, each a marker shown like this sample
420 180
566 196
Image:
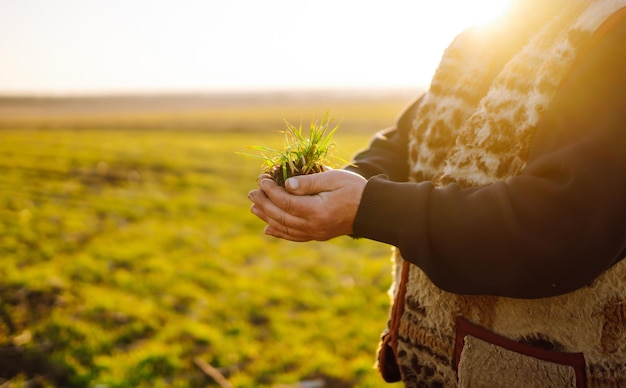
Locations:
308 184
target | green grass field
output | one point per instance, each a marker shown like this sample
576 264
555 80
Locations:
129 257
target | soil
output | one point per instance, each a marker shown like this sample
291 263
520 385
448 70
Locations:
277 172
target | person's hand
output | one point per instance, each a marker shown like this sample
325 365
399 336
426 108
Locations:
310 207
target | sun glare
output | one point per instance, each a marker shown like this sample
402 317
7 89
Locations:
477 12
262 47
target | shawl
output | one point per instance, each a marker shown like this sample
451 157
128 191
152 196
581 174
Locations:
475 127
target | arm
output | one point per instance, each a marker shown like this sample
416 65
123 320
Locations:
550 230
387 151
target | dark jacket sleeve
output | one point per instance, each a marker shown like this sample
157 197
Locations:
387 153
548 231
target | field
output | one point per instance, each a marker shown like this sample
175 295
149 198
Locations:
129 257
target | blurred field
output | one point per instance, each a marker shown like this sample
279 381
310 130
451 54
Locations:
364 111
127 250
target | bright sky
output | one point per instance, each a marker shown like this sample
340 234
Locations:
104 46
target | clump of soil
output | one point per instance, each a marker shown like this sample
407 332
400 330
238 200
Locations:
281 172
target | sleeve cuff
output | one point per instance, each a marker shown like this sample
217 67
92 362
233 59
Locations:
388 210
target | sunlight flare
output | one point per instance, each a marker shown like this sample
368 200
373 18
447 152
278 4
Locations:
461 13
485 11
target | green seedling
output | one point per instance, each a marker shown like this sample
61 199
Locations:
301 154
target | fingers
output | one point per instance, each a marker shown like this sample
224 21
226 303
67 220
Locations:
283 223
317 207
299 206
296 237
277 218
263 176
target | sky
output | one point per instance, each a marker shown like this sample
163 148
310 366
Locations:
65 47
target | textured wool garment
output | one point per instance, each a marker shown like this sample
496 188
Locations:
473 128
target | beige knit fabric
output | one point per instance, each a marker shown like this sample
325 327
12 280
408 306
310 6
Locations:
499 367
474 127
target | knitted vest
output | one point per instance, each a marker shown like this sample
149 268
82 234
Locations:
474 127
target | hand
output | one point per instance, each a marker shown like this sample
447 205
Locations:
310 207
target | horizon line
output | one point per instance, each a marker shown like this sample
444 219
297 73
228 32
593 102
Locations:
154 93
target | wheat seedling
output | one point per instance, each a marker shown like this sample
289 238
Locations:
301 154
